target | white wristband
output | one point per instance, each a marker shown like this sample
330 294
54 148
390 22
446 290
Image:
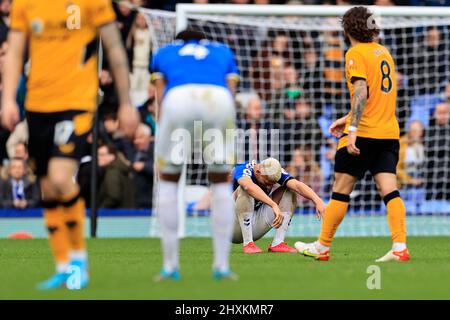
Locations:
352 129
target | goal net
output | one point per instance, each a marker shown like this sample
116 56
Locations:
293 81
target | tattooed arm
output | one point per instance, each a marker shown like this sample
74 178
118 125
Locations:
358 105
358 101
118 63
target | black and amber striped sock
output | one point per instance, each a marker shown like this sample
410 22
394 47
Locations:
57 233
74 219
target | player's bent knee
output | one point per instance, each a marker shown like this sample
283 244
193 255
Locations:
288 201
244 202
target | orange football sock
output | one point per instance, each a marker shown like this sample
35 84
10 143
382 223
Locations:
334 213
58 237
74 219
396 215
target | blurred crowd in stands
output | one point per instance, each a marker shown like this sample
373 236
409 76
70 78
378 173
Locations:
294 83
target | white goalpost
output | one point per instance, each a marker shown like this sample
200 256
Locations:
291 59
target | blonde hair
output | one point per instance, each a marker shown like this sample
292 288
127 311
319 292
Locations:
271 168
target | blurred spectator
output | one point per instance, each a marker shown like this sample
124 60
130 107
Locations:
139 39
17 190
410 168
443 3
311 66
4 134
5 6
125 19
291 84
142 165
111 134
254 123
149 109
437 149
267 70
403 101
304 168
21 151
333 72
446 96
428 72
411 156
301 128
327 153
116 187
19 135
84 174
111 126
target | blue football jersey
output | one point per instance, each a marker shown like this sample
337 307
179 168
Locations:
247 170
194 62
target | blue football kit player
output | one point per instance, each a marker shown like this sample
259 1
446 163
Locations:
195 80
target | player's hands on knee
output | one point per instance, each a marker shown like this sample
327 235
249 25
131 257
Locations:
351 144
128 120
278 216
337 128
9 115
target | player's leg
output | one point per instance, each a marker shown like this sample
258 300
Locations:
244 210
384 173
287 202
216 106
70 145
169 164
396 215
61 172
40 146
70 130
167 212
337 207
222 215
348 169
334 214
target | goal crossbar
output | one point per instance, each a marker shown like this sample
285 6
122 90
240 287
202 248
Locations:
183 10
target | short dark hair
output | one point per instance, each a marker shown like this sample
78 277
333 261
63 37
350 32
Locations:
356 23
110 147
110 115
191 34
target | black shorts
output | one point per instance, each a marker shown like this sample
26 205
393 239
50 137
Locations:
376 155
57 134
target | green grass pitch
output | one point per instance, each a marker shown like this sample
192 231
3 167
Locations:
123 269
